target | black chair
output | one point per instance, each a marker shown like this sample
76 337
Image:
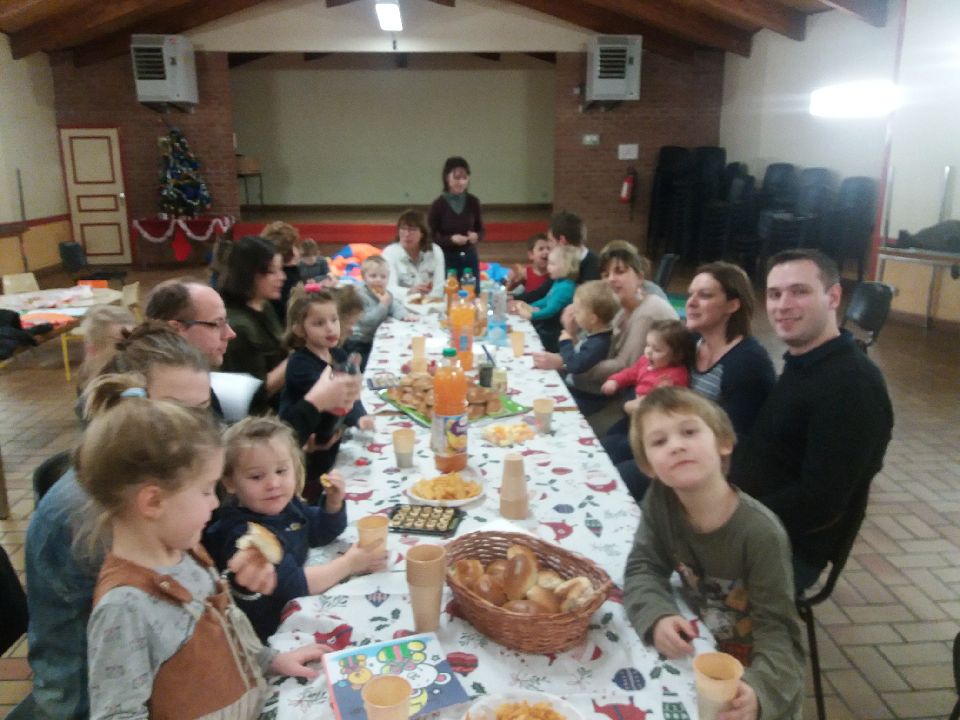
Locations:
665 270
868 309
671 198
955 715
709 163
13 604
75 264
848 228
805 603
779 188
48 472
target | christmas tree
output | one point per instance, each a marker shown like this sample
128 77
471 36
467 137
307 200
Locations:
182 191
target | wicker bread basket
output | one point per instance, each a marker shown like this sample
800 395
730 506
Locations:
546 633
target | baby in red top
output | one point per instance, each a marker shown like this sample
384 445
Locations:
668 353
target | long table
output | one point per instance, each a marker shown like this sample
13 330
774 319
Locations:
577 502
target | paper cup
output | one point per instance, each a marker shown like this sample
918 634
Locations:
387 697
419 346
516 342
543 413
403 442
514 500
372 529
717 675
426 568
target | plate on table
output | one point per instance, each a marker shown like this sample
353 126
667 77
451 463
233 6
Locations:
468 474
508 408
486 707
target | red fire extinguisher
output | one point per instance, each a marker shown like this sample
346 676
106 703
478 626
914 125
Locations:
628 186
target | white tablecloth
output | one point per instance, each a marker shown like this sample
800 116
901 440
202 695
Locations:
577 502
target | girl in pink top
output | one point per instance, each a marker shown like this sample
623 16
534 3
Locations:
666 357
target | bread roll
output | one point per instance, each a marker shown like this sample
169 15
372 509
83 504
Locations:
521 576
523 607
549 579
574 593
490 589
258 537
468 571
544 598
514 550
498 569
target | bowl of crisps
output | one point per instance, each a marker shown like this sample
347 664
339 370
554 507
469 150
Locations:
522 705
507 435
448 490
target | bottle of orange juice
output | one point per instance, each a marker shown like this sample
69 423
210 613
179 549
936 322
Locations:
450 288
462 318
449 428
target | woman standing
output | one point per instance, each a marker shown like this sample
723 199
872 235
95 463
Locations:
455 220
622 267
416 264
254 277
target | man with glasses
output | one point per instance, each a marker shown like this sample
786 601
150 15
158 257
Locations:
196 311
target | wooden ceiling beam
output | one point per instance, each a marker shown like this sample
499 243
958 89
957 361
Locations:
15 15
311 56
601 21
87 23
748 14
684 23
237 59
494 57
873 12
547 57
168 23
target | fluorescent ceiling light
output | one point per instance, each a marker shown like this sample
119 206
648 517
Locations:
388 13
869 98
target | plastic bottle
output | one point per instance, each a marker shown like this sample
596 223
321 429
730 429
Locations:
351 367
450 288
468 281
497 318
462 318
449 428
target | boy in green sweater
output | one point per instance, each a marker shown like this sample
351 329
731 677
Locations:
731 553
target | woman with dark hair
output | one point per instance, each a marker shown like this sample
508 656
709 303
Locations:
253 278
416 264
622 267
730 367
455 221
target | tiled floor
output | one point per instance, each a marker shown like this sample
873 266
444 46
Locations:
884 637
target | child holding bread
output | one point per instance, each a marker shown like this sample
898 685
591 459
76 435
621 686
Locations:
731 553
262 474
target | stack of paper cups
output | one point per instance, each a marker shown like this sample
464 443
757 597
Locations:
426 570
514 501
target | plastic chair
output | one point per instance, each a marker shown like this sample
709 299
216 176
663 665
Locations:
75 264
848 229
20 283
670 200
868 309
48 472
805 604
779 188
665 270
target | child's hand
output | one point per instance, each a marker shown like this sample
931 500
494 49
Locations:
744 705
332 390
251 570
564 335
630 405
293 663
367 422
609 387
366 560
334 489
670 636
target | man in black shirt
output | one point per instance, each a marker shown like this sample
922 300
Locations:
823 431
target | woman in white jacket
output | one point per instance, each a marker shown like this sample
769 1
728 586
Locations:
416 264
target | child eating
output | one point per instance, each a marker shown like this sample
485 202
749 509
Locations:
263 474
594 307
731 553
533 282
378 304
563 266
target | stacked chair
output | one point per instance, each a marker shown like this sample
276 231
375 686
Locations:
671 201
848 228
797 222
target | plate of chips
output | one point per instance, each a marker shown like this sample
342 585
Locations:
522 705
448 490
504 435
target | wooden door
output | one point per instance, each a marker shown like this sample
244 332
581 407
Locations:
95 192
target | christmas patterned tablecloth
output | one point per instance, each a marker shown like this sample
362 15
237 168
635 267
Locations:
577 502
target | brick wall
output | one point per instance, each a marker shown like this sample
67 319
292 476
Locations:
679 105
104 95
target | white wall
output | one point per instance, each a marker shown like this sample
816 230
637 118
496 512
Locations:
926 130
357 130
28 138
765 114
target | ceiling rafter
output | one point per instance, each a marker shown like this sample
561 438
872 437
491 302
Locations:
238 59
748 14
602 21
168 23
86 23
15 15
683 22
873 12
